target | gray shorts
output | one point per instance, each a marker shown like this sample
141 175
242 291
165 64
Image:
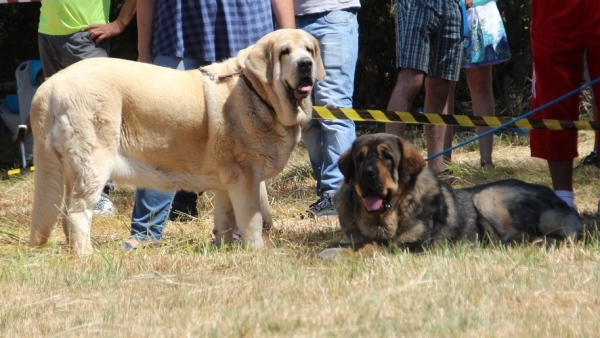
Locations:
60 51
428 37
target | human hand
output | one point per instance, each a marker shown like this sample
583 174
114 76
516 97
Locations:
99 32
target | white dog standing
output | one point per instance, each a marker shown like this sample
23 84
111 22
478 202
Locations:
226 128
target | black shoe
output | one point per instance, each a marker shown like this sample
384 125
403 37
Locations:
183 213
591 159
323 207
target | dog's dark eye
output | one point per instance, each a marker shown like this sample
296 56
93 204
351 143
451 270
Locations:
285 51
308 49
388 158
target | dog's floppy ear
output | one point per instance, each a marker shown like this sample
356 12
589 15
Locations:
346 165
260 60
319 62
411 162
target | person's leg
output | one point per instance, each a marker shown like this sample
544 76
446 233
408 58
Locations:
184 207
149 215
408 84
311 136
444 68
558 69
337 33
49 46
436 95
412 57
338 136
326 140
449 110
482 95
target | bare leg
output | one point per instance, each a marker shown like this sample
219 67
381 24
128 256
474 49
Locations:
408 84
436 96
482 94
47 198
449 110
561 173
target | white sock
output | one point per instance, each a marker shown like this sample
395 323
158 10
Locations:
567 196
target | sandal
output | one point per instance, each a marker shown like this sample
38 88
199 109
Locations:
130 244
237 237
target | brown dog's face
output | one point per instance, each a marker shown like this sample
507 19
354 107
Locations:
379 166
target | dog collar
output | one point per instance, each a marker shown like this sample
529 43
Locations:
213 76
251 87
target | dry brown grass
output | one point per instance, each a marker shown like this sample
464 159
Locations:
187 287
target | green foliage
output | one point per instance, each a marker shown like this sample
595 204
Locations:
18 38
376 67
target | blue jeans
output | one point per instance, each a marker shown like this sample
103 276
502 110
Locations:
151 207
326 140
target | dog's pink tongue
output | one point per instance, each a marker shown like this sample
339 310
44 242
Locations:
373 203
305 88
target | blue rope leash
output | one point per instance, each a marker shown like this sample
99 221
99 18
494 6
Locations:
475 138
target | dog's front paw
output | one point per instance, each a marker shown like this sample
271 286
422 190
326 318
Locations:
331 253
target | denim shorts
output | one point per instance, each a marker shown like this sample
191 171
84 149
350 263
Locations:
428 37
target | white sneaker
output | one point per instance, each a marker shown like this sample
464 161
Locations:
104 207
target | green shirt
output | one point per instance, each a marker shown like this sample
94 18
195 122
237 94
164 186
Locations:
65 17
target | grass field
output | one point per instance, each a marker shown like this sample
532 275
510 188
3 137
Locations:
187 287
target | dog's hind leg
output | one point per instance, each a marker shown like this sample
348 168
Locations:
224 218
63 216
496 220
85 178
84 196
47 197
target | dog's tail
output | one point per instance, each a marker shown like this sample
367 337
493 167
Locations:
49 189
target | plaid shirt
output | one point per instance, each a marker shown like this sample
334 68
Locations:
209 30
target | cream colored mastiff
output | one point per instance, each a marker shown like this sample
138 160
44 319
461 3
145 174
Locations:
226 128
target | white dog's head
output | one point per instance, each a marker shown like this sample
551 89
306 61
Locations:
287 63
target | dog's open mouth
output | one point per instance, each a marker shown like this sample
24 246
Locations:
305 86
303 89
376 204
